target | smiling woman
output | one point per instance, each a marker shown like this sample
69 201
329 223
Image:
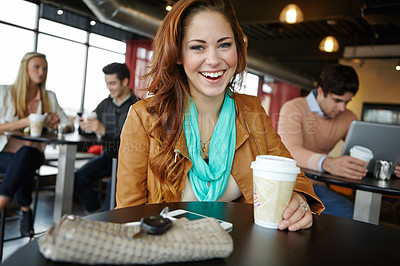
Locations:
191 140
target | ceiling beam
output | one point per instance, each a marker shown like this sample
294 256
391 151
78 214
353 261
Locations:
372 51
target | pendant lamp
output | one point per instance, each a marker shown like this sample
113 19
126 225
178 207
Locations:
291 14
329 44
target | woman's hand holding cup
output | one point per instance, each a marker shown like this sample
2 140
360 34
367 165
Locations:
276 205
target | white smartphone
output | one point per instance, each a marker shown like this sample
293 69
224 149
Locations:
180 213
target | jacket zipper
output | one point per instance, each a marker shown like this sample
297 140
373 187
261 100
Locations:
176 151
248 129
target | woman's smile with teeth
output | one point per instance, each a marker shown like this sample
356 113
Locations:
212 74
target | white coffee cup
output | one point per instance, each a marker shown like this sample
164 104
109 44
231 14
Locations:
86 116
361 153
274 178
36 122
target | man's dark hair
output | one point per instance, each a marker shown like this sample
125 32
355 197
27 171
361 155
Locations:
338 79
121 70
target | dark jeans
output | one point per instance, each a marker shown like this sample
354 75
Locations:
335 204
96 169
19 170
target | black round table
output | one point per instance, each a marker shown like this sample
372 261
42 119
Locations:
369 190
368 183
330 241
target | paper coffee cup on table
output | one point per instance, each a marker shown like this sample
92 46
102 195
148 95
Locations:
36 122
274 179
361 153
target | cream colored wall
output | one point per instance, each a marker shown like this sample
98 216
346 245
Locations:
379 83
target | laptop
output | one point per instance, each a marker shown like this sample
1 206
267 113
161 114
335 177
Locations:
382 139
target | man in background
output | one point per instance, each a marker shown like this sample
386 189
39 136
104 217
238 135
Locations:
111 114
311 126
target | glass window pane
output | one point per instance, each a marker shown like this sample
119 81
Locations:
149 55
61 30
266 103
141 53
250 85
96 89
107 43
18 12
18 43
66 69
266 88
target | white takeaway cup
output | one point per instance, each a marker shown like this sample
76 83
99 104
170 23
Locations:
86 116
361 153
36 122
274 178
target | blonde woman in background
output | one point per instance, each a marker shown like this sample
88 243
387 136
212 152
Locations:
20 159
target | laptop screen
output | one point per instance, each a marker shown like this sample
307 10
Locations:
382 139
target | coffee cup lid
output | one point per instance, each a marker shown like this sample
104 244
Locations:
361 151
89 115
36 117
274 163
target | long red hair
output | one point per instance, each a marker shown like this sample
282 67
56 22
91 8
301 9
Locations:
170 89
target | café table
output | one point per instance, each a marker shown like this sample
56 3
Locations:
369 190
330 241
65 178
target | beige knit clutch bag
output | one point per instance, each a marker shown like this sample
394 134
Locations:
78 240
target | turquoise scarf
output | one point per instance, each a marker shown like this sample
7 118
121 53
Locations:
209 181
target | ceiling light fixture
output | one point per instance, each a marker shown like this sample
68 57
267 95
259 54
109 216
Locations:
329 44
397 67
60 12
92 22
168 7
291 14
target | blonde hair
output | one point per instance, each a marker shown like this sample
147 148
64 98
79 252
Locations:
21 84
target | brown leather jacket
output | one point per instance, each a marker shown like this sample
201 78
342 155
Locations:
254 136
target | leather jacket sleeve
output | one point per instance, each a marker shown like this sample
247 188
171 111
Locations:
133 160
